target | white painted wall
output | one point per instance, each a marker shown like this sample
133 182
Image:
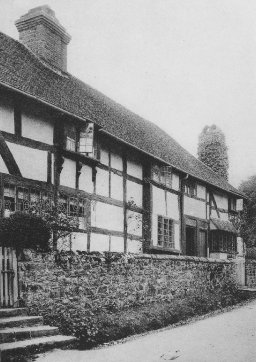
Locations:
116 187
221 201
175 181
165 204
134 193
117 244
85 179
194 207
116 160
134 246
79 241
68 173
107 216
223 215
134 168
201 191
102 182
32 163
99 242
3 167
37 127
6 115
134 223
104 155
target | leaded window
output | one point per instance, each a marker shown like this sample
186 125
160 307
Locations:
165 234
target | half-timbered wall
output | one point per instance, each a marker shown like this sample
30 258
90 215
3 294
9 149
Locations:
194 207
68 173
222 206
166 204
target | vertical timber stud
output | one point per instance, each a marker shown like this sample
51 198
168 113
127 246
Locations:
2 207
125 199
182 218
49 167
17 117
147 206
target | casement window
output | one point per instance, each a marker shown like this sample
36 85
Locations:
70 144
165 232
86 140
162 174
223 241
9 199
190 188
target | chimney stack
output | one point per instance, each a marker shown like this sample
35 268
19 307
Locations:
42 33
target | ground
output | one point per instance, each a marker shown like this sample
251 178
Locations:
225 337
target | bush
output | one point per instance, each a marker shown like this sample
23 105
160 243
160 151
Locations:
25 231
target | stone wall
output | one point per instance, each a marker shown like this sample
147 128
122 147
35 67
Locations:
79 292
250 273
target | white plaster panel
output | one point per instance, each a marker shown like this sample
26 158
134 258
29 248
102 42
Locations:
172 206
107 216
3 167
134 192
79 241
32 163
85 179
116 161
117 244
6 116
154 229
134 223
159 202
201 191
239 204
68 173
134 168
37 127
175 181
194 207
102 182
104 156
134 246
99 242
221 201
223 215
116 187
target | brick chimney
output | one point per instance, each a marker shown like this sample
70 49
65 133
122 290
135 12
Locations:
42 33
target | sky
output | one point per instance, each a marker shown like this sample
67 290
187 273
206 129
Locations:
181 64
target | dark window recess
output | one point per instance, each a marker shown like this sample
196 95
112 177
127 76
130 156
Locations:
190 188
165 232
232 204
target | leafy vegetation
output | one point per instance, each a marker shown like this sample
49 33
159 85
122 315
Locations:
22 230
212 150
248 217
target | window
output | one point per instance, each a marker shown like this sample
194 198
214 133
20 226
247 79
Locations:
70 144
190 188
86 140
9 199
232 204
222 241
162 175
165 234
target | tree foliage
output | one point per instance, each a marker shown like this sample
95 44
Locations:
248 187
212 150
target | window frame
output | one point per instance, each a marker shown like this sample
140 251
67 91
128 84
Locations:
167 233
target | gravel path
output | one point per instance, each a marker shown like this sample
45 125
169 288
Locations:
225 337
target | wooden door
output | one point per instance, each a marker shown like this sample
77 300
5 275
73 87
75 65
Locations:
190 241
202 243
8 278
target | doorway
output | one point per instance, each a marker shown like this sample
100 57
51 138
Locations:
190 241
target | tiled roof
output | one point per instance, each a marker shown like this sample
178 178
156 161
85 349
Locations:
21 70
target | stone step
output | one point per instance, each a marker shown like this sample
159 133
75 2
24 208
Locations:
12 312
18 334
19 321
35 345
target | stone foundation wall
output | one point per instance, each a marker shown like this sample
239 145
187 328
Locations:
250 273
79 292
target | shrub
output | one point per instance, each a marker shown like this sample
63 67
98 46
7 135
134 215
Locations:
22 230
